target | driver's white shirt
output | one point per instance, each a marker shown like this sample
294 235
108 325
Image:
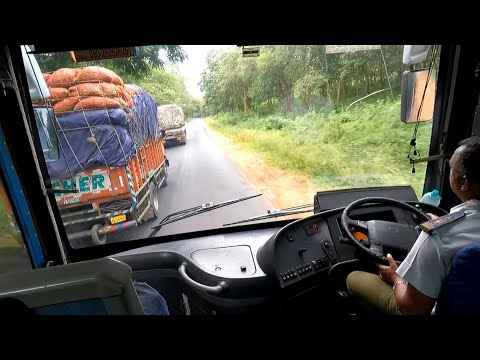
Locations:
428 262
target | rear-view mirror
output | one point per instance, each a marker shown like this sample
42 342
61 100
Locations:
415 54
45 120
414 89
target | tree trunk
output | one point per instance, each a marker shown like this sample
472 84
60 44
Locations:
365 77
246 110
287 102
367 84
310 102
329 95
338 90
287 97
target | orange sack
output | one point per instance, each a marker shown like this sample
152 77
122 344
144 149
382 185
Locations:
58 93
95 89
96 102
132 90
67 104
98 73
125 95
63 78
46 77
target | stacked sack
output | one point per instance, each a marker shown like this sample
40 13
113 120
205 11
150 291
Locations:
91 87
100 120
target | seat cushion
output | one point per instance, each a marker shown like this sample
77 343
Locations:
461 292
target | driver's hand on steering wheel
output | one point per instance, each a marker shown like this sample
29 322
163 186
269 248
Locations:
387 272
432 216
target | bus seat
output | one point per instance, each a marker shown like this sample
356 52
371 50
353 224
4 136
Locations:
95 287
460 294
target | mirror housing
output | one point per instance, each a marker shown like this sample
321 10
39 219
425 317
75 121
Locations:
415 54
413 89
45 121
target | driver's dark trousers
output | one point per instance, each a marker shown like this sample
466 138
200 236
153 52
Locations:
372 293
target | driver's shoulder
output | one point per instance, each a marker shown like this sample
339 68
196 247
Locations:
456 225
444 225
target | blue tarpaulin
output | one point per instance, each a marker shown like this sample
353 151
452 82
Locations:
81 151
79 119
144 113
104 137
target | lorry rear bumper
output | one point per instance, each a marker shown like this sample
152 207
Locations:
107 229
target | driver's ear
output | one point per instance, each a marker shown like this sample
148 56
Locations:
464 183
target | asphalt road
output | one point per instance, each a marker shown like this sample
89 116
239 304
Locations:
200 172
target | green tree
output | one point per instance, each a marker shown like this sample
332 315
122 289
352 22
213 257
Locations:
166 88
146 59
280 67
308 85
282 73
237 75
210 83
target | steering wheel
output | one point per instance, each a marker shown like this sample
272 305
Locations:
381 233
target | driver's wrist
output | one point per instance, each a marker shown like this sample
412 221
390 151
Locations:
394 279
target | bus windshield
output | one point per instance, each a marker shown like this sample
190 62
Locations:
172 128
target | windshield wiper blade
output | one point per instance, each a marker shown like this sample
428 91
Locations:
277 213
200 209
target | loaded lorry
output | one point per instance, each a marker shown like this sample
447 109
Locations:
172 121
104 151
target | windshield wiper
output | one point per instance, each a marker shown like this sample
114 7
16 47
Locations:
277 213
200 209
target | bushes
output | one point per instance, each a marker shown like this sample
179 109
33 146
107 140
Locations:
364 146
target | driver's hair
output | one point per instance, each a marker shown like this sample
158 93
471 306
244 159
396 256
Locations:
469 158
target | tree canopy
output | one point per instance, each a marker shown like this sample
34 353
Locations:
283 73
147 58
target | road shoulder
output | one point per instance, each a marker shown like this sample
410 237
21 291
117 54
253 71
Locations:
282 188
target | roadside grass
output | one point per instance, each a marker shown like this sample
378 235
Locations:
364 146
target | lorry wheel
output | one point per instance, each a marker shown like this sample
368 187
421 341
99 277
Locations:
155 204
98 239
165 181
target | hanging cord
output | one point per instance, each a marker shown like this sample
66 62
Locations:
413 140
111 124
92 138
386 72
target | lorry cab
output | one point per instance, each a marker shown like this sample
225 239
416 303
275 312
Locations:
217 255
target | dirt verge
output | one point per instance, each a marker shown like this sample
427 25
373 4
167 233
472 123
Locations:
282 188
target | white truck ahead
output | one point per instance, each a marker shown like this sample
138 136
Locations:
172 120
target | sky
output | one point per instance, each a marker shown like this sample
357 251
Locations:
192 68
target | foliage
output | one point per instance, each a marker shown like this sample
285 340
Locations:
364 146
284 73
146 59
